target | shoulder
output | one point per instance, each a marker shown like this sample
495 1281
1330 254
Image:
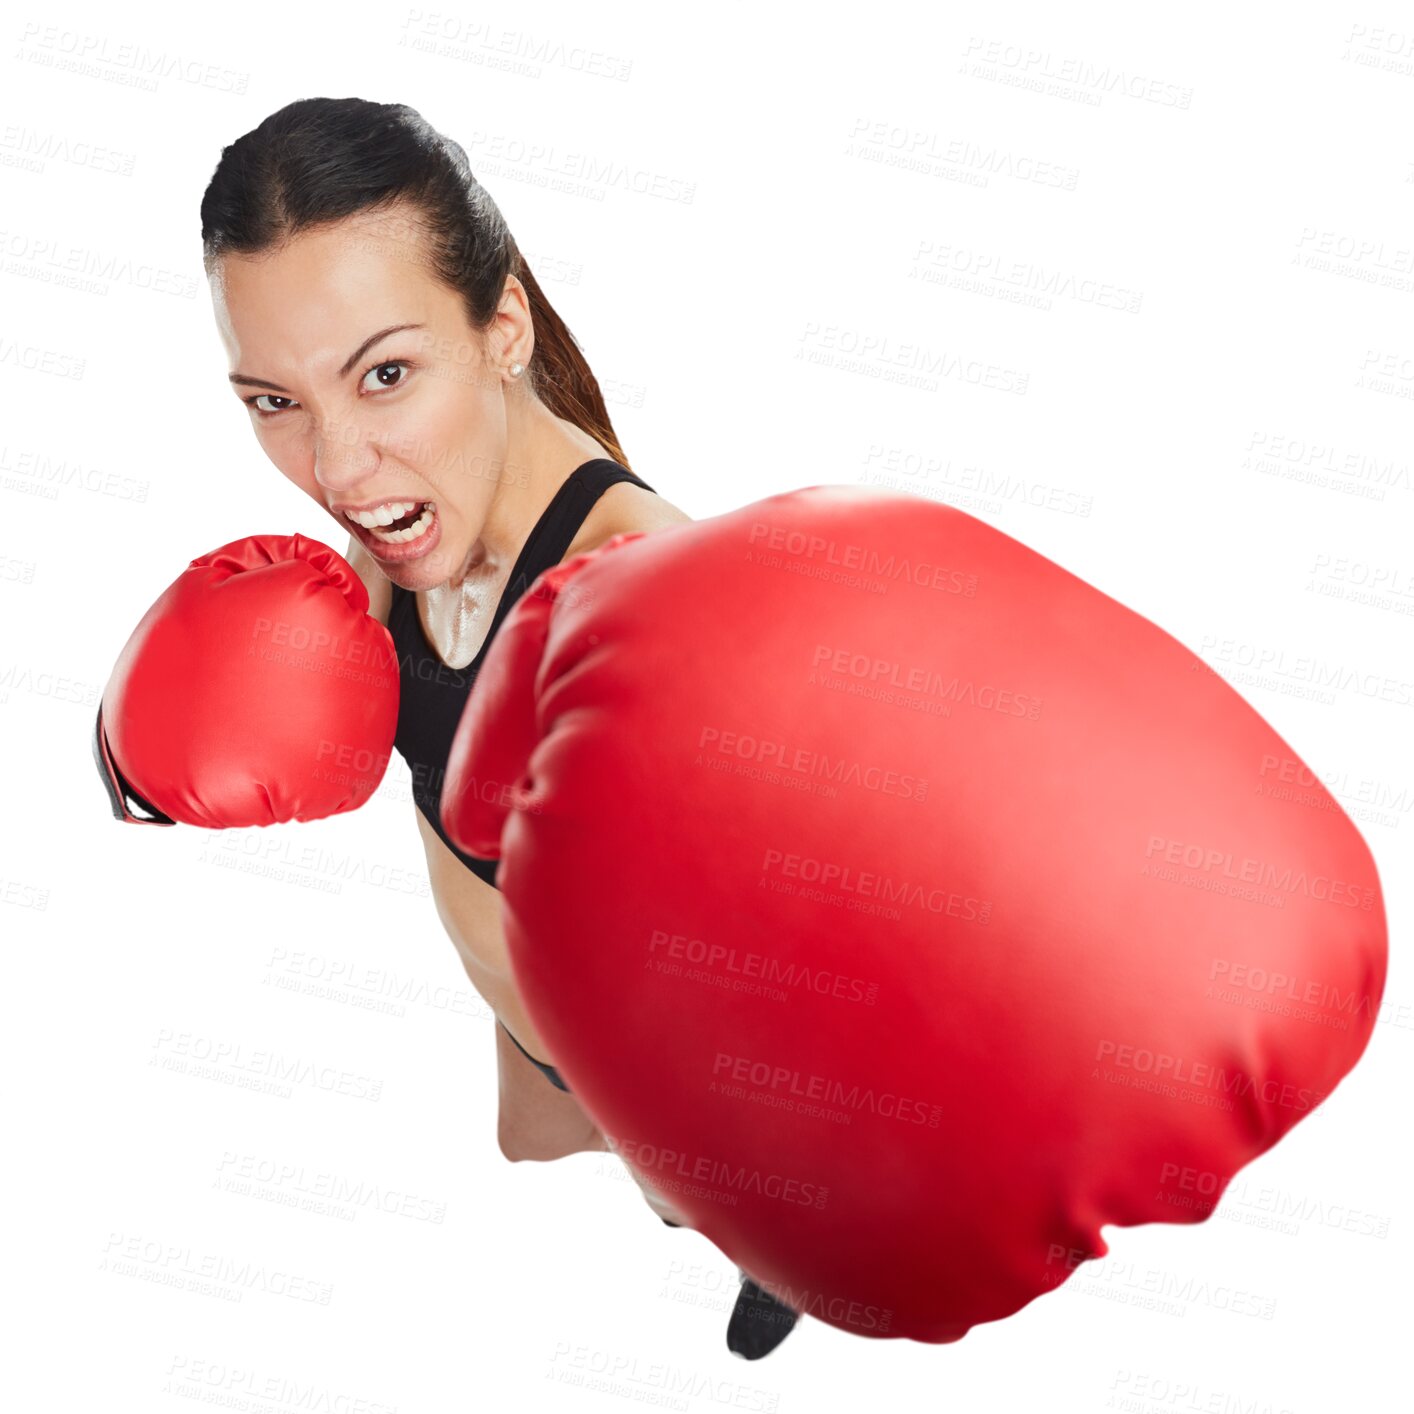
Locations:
624 507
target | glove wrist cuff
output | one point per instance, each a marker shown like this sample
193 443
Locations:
120 789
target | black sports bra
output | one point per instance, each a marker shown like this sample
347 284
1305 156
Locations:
432 694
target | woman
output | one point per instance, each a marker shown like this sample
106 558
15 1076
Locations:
404 370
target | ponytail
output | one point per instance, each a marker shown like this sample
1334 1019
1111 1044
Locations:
561 377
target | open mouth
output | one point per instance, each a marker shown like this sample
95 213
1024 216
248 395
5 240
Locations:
397 523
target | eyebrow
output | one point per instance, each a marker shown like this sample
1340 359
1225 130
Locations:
352 359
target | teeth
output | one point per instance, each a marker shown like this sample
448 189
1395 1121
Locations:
385 514
418 527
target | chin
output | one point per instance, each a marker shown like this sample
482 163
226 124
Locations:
432 571
415 577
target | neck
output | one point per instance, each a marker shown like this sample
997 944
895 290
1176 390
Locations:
541 452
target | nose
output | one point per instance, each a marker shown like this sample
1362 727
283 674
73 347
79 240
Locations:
344 459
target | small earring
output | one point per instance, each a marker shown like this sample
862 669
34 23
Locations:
517 369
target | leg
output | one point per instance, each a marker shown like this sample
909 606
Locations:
537 1121
548 1071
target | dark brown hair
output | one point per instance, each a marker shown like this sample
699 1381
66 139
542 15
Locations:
318 160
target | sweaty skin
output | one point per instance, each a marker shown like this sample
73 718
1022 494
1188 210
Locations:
429 413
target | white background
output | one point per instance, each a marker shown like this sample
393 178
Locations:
1134 286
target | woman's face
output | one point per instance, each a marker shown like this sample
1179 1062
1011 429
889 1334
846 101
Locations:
369 390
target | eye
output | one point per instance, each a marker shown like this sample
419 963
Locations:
381 372
388 375
258 398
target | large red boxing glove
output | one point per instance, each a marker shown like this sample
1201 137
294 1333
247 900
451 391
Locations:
256 690
906 908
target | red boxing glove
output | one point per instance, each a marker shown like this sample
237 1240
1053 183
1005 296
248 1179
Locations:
906 908
256 690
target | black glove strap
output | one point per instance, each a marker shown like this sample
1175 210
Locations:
119 789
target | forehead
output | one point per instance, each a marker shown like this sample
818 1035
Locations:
325 289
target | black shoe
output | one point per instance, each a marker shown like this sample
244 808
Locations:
671 1223
759 1323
